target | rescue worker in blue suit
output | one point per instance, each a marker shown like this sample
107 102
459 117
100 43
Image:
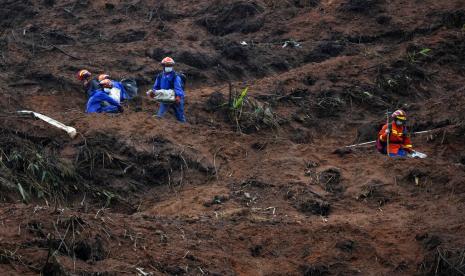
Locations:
95 104
168 79
124 96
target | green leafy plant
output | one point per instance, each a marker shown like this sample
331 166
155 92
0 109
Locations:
249 114
34 172
413 56
239 100
235 106
425 52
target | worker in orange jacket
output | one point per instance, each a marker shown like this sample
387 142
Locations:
399 140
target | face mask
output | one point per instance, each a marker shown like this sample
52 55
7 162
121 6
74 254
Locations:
168 69
107 90
399 123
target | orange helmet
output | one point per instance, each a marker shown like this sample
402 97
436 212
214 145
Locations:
399 115
106 83
102 77
83 74
167 61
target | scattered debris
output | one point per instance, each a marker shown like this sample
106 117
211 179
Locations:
291 44
70 130
417 154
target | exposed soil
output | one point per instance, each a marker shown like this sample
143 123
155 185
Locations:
267 190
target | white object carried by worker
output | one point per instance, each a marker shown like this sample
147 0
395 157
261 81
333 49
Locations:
162 95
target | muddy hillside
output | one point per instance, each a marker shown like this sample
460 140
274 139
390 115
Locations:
258 181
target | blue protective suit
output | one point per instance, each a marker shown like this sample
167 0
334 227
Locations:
96 100
171 81
400 153
124 95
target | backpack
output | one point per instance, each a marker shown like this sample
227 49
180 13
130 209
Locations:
381 146
180 75
130 86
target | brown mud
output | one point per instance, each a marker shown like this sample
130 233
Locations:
269 190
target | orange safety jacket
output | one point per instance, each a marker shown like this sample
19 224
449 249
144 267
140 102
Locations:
398 138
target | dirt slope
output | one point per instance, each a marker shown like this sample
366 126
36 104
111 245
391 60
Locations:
271 193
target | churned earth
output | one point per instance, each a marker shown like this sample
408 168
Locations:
264 189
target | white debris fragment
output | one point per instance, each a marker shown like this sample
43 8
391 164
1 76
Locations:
70 130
